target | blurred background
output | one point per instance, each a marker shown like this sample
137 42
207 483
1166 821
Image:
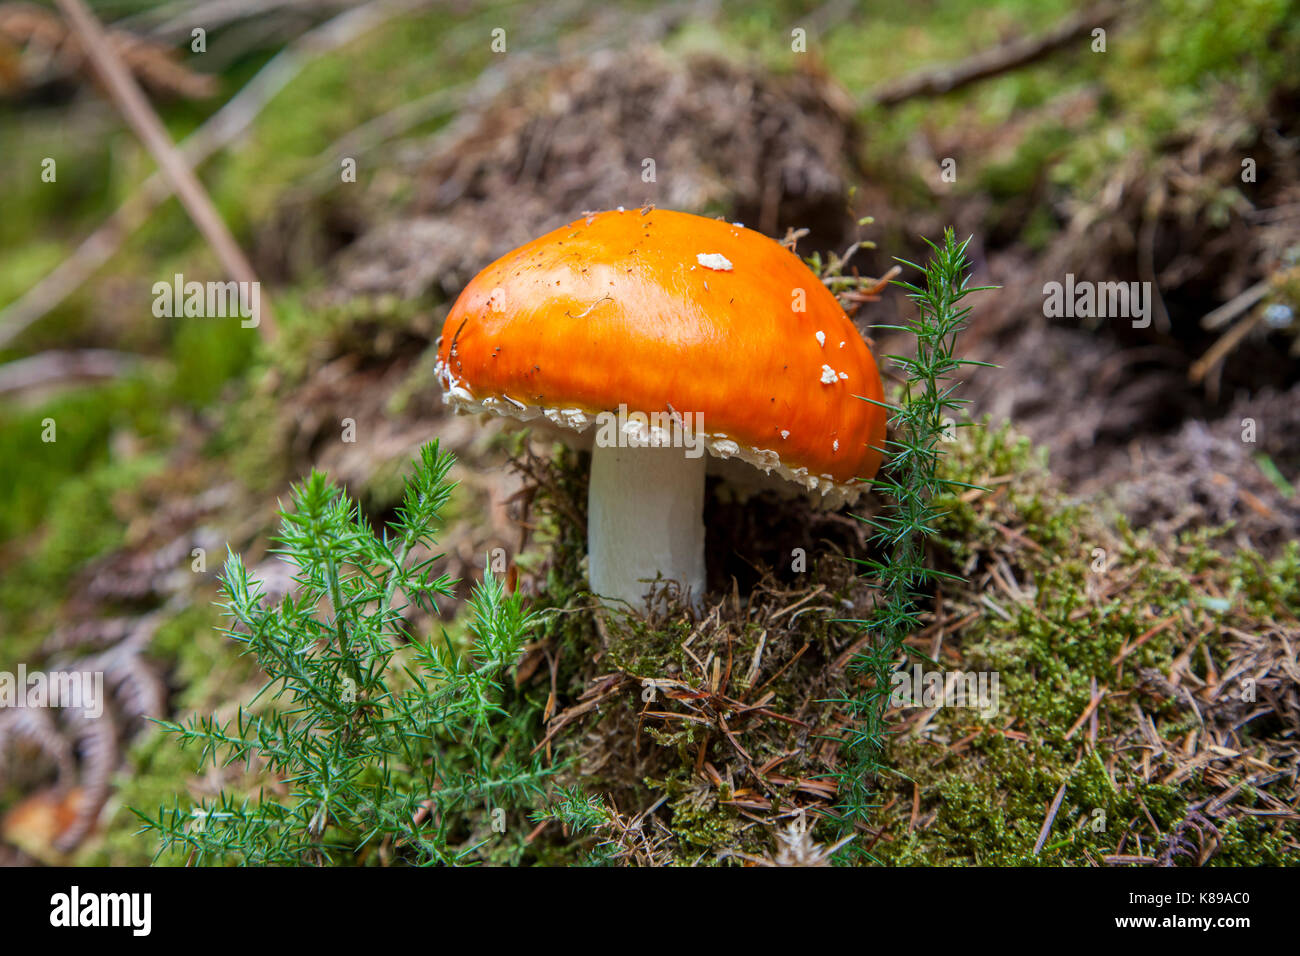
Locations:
368 158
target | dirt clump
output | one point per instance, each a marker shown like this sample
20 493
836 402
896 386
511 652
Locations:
617 129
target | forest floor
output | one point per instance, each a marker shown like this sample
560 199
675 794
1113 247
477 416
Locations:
1130 569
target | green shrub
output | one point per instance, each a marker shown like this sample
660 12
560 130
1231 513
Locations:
375 746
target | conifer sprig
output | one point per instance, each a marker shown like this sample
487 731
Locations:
376 745
923 419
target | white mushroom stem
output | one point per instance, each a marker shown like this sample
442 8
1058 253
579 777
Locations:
645 519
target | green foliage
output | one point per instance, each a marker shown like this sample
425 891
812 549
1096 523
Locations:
1017 175
920 422
207 355
375 745
83 420
1268 587
984 803
580 812
1213 38
81 523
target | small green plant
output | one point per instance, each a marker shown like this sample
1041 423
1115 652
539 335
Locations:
920 423
578 811
589 821
372 745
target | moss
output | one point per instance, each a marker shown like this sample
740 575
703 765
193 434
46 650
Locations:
701 825
986 803
207 354
647 648
1251 841
1267 586
84 421
252 437
990 807
1019 175
1011 468
83 522
154 765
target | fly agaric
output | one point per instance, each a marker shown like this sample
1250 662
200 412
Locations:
671 334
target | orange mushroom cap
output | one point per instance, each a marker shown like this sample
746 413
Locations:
668 312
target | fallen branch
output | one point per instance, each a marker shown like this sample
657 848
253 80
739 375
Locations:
63 368
173 22
221 128
48 52
988 63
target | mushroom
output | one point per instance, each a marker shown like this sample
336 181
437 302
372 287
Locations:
652 336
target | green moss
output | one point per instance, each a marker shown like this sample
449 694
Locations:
643 648
207 354
702 826
1007 464
83 421
1213 39
252 437
1267 586
1251 841
82 523
1019 175
986 803
154 765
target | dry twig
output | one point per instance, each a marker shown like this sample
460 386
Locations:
221 129
988 63
135 107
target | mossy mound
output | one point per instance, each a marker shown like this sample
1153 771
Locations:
1143 697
